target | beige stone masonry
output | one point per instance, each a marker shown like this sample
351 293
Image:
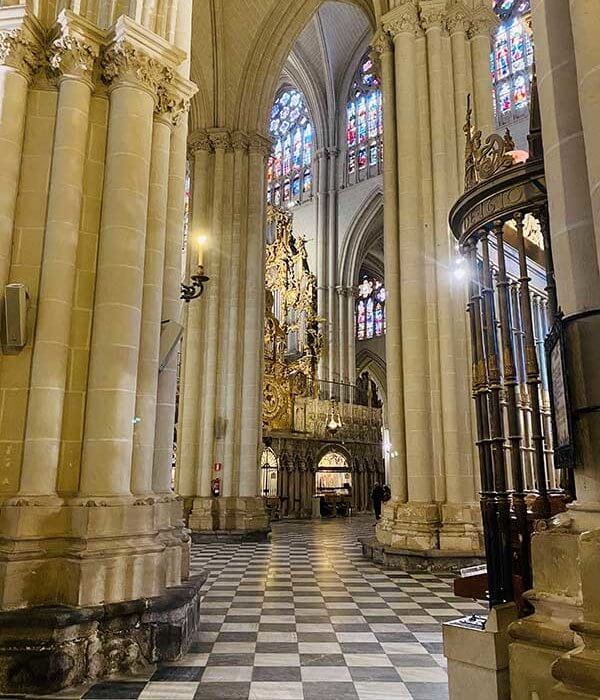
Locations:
222 389
76 535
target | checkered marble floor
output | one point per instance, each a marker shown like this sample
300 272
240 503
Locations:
305 617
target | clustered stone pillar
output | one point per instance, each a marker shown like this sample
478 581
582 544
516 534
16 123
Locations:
120 276
554 652
110 539
220 414
426 73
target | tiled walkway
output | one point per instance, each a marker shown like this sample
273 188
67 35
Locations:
305 617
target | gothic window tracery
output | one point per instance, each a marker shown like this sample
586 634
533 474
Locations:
511 60
289 173
364 124
370 309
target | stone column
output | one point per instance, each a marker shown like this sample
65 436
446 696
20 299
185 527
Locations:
231 352
252 361
133 78
147 378
455 487
332 257
19 57
221 143
351 336
585 22
483 20
196 320
565 596
239 266
457 22
322 248
343 340
412 264
171 309
393 343
73 58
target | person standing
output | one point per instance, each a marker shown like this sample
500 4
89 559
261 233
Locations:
377 495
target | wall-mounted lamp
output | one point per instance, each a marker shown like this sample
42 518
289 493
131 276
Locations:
196 288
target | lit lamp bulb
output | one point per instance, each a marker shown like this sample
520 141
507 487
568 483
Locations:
201 245
460 270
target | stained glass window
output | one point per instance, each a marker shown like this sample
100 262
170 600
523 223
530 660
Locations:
289 174
360 319
511 60
370 309
364 123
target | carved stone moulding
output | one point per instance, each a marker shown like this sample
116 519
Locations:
45 649
22 40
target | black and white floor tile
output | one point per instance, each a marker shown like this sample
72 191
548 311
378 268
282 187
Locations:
305 617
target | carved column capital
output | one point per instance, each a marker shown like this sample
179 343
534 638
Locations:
123 63
72 57
433 15
220 139
19 52
483 21
259 143
170 105
457 18
199 140
403 19
381 42
239 141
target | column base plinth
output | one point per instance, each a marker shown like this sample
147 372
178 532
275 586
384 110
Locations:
91 552
45 649
539 640
410 526
229 517
461 528
413 537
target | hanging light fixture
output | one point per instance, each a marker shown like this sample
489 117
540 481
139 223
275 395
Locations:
334 420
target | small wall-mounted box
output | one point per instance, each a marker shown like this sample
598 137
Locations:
15 315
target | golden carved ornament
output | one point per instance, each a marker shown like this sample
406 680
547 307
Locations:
508 364
292 340
483 161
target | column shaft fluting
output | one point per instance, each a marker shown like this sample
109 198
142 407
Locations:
110 405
